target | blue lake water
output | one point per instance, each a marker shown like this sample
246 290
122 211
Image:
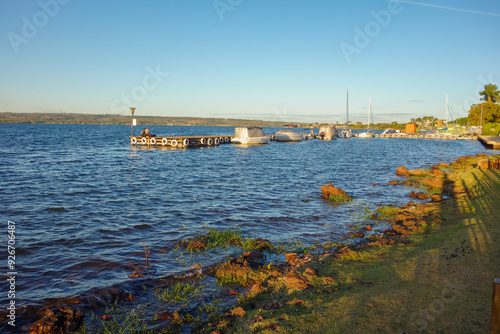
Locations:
83 199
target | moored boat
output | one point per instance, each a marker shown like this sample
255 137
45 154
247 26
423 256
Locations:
249 136
346 133
288 135
369 131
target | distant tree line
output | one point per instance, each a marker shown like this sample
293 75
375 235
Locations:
487 113
63 118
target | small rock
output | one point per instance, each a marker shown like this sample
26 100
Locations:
58 319
290 256
330 190
402 171
483 164
356 234
197 244
295 280
418 172
311 272
256 289
437 198
393 182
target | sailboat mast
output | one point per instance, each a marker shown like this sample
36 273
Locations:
347 111
369 112
446 110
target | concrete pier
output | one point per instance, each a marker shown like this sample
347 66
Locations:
490 141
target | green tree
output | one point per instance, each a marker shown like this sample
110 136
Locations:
491 113
490 93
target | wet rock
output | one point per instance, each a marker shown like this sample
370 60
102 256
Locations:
233 292
400 229
418 172
443 164
294 280
195 271
434 182
238 312
358 234
437 198
252 255
408 223
463 159
410 183
393 182
137 272
197 244
437 172
330 190
311 272
382 242
402 171
419 195
58 319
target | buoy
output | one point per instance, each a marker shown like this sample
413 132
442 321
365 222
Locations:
185 142
216 141
209 141
173 142
152 141
475 138
203 141
133 140
144 141
164 141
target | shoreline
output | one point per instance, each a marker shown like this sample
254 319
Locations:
293 270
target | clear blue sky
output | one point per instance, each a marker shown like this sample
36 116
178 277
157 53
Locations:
255 59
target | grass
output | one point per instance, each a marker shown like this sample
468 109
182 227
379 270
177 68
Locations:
437 282
118 321
179 292
385 212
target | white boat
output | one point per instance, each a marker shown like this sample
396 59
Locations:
328 132
346 133
288 135
369 131
249 136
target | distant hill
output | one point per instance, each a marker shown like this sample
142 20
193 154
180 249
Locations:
63 118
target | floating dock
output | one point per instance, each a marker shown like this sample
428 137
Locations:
207 141
180 141
490 142
427 136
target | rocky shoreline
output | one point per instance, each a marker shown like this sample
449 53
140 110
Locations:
255 283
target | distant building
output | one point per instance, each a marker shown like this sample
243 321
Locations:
411 128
